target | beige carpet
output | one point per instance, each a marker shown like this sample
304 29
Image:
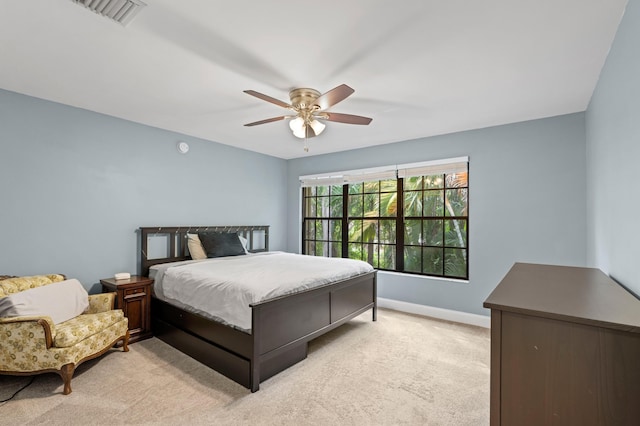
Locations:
402 369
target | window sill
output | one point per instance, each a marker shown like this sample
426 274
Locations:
425 277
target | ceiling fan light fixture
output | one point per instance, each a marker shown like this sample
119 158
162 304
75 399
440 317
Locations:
297 125
300 133
317 126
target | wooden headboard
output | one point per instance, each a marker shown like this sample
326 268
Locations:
176 241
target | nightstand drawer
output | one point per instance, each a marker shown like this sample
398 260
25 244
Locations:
134 291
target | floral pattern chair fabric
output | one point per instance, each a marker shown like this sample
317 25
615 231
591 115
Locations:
34 345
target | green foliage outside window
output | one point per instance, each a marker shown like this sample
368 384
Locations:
432 217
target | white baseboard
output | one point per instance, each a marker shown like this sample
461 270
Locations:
431 311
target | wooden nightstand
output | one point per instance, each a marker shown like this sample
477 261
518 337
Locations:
134 298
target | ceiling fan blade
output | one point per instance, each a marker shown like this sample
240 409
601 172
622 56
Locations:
345 118
267 98
333 96
268 120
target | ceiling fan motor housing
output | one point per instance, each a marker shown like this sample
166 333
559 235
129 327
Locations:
303 98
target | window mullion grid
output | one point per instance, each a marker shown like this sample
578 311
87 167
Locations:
315 224
422 226
304 221
376 240
444 240
465 248
400 225
361 220
345 220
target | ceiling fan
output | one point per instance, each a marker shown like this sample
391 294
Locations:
309 107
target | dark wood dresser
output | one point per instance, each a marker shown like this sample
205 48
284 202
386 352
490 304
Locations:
565 348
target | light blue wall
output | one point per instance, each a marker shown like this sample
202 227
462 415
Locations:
613 152
527 202
75 186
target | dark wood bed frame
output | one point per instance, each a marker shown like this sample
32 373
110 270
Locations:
280 327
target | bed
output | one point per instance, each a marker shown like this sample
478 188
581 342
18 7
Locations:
280 326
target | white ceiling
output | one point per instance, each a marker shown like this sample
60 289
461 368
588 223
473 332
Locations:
419 67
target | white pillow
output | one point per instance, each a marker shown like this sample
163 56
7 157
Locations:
195 247
61 301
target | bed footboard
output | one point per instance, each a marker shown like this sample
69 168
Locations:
285 325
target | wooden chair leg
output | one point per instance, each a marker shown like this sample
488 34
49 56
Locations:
125 342
66 372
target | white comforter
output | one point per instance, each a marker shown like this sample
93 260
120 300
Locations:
223 288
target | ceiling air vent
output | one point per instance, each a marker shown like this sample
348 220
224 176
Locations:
121 11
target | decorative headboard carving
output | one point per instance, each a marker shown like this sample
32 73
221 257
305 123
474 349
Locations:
257 241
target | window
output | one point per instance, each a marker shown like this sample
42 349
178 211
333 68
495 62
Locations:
411 218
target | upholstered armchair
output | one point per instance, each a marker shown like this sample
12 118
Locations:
35 344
